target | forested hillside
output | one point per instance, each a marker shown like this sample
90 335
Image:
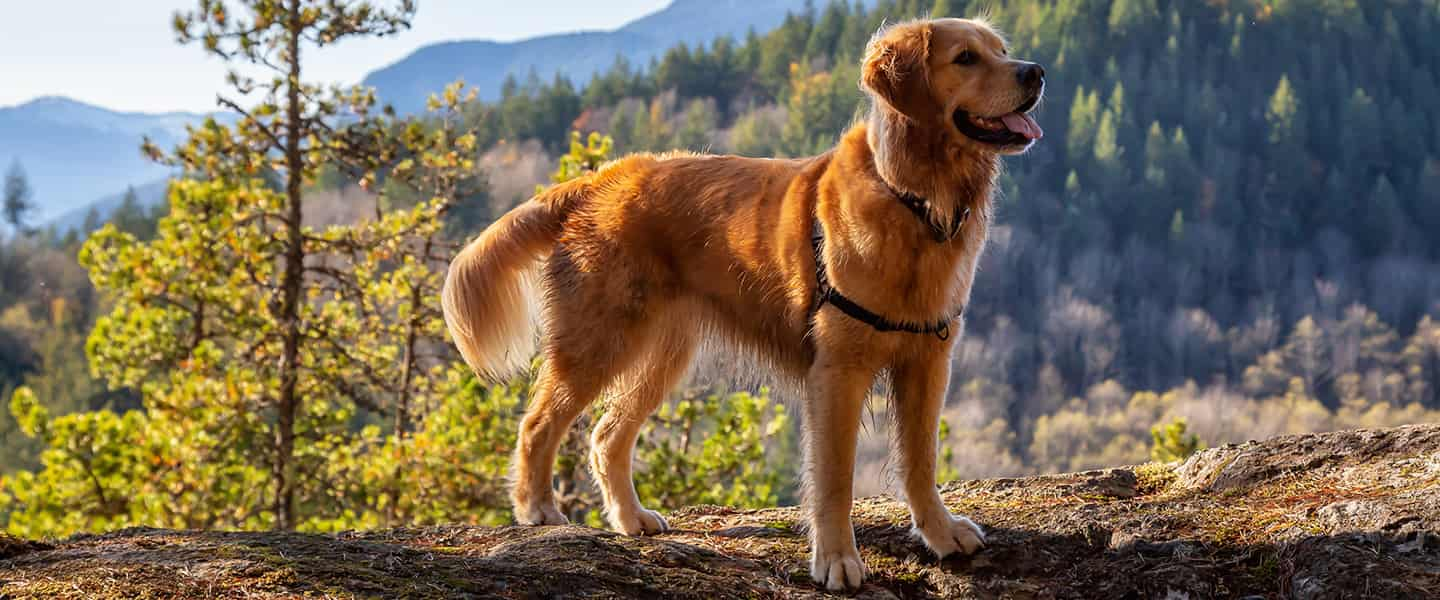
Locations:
1225 233
1222 207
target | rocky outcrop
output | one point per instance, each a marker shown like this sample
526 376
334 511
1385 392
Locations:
1341 515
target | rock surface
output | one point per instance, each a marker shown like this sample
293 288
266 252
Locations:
1342 515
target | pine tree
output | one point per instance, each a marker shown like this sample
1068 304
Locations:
17 204
1381 217
699 119
132 218
1282 114
1084 118
244 314
1108 153
1359 143
1157 155
826 32
1127 16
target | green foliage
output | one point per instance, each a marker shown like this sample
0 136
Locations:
1127 16
1282 113
1084 119
945 470
1170 442
92 461
754 133
1227 164
583 158
820 106
719 449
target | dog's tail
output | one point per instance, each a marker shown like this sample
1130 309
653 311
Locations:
489 296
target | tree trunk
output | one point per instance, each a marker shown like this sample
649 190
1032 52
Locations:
412 328
294 263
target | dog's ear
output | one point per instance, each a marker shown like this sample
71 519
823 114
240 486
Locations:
895 69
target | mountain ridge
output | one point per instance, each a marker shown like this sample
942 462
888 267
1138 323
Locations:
407 82
75 153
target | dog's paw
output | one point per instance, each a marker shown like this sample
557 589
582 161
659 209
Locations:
641 522
838 571
952 534
546 514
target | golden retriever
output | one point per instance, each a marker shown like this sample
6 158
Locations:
641 260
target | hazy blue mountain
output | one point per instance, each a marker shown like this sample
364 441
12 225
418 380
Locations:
485 64
147 195
75 153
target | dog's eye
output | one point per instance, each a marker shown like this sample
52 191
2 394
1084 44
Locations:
965 57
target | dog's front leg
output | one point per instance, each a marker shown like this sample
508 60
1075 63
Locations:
919 387
836 394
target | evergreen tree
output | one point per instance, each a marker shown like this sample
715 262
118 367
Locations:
1157 155
1084 119
16 204
699 119
1128 16
1282 114
255 278
132 218
1108 153
826 32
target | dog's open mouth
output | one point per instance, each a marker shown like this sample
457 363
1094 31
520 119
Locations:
1015 128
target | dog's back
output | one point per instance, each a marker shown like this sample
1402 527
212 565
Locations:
718 243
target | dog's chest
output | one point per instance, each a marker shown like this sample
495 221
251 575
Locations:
913 275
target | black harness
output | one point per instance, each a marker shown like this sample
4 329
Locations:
826 293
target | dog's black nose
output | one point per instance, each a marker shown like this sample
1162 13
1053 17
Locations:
1030 74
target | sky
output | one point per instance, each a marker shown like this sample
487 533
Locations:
122 55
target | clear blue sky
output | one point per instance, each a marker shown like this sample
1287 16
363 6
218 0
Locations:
121 54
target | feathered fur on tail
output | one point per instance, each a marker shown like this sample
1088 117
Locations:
489 296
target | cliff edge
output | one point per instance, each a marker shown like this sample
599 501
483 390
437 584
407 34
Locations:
1351 514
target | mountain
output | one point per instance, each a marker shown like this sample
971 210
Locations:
74 153
485 64
77 154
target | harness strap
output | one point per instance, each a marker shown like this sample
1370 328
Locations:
826 293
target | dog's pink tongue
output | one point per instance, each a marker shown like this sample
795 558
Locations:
1023 125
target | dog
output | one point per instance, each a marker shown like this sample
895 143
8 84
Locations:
835 269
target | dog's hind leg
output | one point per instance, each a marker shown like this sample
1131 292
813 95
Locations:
635 396
590 342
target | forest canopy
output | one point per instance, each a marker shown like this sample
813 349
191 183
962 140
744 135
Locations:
1224 236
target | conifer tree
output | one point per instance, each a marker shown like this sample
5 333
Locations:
16 204
1084 118
236 266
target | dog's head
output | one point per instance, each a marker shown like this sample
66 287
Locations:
956 74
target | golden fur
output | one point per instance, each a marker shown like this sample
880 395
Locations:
641 259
